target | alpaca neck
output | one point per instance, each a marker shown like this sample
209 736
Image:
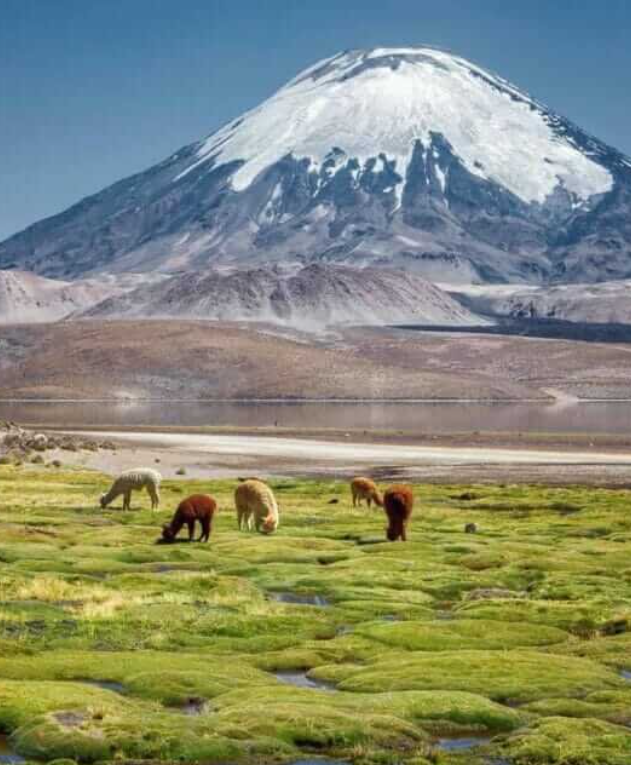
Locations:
111 495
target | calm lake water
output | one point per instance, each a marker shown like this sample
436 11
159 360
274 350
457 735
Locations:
590 417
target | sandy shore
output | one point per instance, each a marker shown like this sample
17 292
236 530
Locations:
215 455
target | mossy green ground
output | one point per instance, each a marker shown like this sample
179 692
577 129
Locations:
517 633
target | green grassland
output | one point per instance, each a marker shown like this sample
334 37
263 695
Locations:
114 649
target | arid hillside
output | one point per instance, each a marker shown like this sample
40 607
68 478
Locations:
198 359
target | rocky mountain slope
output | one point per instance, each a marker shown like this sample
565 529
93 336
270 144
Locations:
406 158
604 303
308 297
28 298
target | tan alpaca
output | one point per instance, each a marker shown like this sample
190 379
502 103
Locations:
365 489
255 502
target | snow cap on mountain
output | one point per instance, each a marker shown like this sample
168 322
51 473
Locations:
381 102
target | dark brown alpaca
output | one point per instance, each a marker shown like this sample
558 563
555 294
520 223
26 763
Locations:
398 502
199 507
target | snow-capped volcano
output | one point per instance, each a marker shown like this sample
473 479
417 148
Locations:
376 105
406 158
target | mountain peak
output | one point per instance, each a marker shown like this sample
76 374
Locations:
408 158
387 101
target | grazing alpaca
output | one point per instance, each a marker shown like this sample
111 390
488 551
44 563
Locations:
199 507
366 489
255 501
134 480
398 502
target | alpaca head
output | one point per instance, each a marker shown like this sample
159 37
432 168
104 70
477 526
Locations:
103 501
269 525
377 498
394 530
167 533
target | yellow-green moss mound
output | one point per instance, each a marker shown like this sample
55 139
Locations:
507 645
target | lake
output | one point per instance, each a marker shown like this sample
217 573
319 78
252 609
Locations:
588 417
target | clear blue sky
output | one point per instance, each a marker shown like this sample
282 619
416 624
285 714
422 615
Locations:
93 90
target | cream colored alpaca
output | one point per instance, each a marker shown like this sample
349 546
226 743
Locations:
255 503
134 480
365 489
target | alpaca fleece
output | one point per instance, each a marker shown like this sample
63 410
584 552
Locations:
398 502
198 508
365 489
256 504
134 480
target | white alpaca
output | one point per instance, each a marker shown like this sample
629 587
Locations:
134 480
255 501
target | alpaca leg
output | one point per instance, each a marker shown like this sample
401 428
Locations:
191 530
403 534
205 530
127 500
154 493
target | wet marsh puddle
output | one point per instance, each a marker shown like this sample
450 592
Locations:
625 674
192 707
70 719
7 755
300 680
298 599
461 744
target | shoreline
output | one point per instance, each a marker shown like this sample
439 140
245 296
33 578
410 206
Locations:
226 453
289 401
608 442
285 447
554 397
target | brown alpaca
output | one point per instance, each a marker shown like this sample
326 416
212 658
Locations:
199 507
366 489
398 502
